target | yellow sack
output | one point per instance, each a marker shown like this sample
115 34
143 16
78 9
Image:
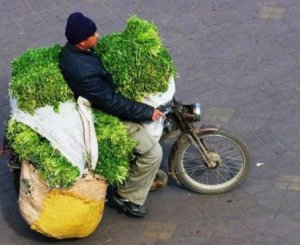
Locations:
61 213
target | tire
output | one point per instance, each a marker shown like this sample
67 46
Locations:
15 168
16 173
192 171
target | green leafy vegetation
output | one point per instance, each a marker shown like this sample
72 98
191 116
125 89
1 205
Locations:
115 147
52 166
137 59
37 80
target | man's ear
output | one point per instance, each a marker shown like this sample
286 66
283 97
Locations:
82 43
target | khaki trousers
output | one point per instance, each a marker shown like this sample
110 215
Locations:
143 171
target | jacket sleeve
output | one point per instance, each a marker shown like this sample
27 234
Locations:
102 96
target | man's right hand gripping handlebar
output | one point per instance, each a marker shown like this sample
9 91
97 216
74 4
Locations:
157 114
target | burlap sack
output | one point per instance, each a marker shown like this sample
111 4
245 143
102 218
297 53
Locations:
61 213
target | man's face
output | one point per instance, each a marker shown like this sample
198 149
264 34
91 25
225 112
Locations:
90 42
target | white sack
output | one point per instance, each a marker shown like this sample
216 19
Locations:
70 130
157 99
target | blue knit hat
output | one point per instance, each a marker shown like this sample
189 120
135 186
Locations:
79 28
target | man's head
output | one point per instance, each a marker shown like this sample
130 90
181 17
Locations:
81 31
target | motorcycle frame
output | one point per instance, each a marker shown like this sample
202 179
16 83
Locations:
175 115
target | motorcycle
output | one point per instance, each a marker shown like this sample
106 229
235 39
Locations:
207 160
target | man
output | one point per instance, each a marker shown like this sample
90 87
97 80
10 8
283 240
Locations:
87 78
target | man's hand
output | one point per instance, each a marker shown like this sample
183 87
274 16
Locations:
157 114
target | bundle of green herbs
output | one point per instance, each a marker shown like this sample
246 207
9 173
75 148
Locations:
52 166
37 82
137 59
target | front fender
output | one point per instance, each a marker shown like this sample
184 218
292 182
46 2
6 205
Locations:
206 129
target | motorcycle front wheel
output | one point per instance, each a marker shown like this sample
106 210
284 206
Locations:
231 157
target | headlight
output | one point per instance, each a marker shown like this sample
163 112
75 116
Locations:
197 111
191 112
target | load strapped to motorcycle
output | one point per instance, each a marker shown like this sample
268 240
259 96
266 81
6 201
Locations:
68 151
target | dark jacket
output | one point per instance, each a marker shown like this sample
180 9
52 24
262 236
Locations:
87 78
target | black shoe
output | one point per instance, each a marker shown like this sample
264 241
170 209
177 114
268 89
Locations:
128 207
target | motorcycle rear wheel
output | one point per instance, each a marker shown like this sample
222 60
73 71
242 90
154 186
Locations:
232 168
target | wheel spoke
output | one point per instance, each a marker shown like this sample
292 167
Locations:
192 159
221 175
230 153
189 169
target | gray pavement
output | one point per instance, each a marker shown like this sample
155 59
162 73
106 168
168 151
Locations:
241 60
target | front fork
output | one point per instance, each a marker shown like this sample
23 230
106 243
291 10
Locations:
192 135
212 159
